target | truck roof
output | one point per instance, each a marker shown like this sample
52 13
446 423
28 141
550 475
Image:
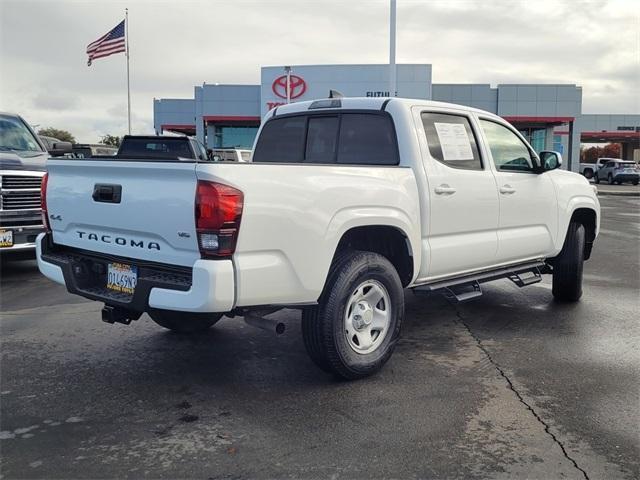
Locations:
373 103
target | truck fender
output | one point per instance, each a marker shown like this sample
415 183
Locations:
352 217
566 213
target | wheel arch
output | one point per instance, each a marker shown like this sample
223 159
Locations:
398 224
589 219
390 241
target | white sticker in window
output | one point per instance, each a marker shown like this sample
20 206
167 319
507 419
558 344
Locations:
454 141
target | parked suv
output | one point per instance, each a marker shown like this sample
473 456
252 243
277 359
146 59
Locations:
618 171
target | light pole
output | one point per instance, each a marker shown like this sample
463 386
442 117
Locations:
392 49
287 71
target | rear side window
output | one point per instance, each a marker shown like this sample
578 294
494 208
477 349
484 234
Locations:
345 138
451 140
281 140
367 139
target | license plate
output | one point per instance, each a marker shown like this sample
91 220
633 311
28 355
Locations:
6 238
122 278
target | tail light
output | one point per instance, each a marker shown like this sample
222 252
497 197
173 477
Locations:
43 202
218 214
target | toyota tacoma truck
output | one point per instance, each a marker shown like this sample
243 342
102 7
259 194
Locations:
347 202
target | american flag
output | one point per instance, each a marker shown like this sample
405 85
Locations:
112 42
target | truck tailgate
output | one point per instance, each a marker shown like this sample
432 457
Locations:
152 220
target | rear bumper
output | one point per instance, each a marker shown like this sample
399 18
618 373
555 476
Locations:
626 177
24 238
207 287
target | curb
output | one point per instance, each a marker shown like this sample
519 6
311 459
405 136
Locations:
618 194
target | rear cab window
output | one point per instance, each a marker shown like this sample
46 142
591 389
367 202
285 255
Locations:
169 148
343 137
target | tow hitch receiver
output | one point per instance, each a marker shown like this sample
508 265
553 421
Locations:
111 314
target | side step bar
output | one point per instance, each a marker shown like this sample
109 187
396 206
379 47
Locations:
461 289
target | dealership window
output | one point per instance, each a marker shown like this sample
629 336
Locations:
362 139
537 137
451 140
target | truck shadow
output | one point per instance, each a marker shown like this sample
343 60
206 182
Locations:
17 265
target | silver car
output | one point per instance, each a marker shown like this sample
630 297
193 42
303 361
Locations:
618 171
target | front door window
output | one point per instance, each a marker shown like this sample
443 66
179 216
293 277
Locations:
509 152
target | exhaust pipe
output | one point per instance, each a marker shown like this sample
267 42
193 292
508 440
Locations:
268 324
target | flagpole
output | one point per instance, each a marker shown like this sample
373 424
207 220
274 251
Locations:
126 25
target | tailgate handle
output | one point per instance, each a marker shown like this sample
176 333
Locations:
107 193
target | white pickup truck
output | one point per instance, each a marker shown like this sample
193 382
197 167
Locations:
346 203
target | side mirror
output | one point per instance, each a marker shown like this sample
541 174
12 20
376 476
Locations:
550 160
59 149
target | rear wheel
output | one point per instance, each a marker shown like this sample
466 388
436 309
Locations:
184 322
353 330
568 265
588 173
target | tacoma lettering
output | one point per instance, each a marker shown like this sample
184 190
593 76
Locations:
122 241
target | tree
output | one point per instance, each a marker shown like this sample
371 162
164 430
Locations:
61 135
111 140
592 154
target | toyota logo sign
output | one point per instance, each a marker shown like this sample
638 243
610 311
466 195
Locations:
297 86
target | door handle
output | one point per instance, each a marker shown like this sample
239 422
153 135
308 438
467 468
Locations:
444 189
107 193
507 189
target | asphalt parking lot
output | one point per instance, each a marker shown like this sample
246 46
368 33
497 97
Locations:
510 385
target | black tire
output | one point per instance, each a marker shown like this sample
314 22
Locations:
588 173
323 326
568 266
635 182
610 179
185 322
596 179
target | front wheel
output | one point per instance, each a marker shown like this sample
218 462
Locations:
184 322
353 330
568 265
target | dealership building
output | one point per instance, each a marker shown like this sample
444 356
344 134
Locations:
550 116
